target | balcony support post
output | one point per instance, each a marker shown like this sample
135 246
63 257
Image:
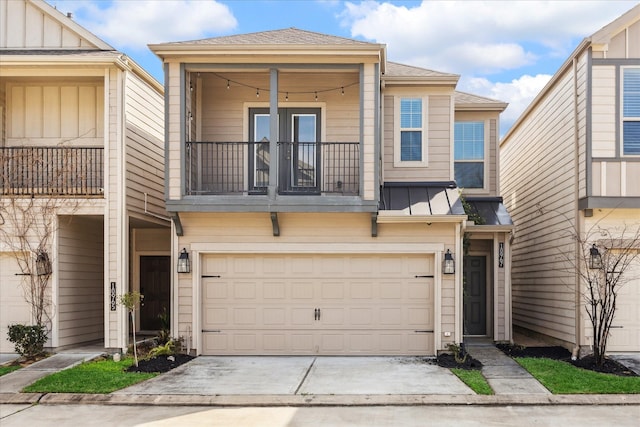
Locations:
273 134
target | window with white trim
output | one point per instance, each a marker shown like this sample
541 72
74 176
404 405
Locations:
468 154
631 111
410 148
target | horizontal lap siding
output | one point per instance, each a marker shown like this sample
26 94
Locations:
145 146
438 139
80 280
538 184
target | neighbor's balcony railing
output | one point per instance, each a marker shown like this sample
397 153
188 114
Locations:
239 168
55 171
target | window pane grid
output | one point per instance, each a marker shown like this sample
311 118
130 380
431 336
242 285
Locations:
468 152
411 129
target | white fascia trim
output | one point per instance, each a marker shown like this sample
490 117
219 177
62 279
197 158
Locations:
317 248
401 216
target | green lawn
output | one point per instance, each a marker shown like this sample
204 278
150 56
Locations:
474 379
564 378
104 376
6 369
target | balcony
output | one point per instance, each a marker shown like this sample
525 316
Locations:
243 168
51 171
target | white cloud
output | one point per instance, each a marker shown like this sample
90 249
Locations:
465 36
518 93
134 24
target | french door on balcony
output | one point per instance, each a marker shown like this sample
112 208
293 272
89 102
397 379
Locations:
298 150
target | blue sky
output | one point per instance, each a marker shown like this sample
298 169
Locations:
506 50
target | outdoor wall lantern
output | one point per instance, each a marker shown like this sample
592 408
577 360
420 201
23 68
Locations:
43 265
448 265
595 259
184 266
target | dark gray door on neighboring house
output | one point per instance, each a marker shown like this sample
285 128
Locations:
475 295
155 272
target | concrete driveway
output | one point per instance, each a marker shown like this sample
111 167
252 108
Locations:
208 375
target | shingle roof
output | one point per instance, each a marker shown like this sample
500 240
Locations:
395 69
463 99
288 36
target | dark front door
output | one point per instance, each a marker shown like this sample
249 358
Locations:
475 295
154 285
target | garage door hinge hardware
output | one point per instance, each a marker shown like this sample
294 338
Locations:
316 314
209 277
425 331
217 331
425 277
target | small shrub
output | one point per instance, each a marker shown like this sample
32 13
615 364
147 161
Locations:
164 336
167 349
28 340
459 353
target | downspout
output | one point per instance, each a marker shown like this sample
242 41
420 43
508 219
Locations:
576 168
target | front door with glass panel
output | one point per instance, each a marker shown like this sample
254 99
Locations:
298 150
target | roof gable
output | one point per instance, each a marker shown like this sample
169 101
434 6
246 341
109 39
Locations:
609 31
408 74
34 24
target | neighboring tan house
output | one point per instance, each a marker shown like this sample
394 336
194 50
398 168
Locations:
571 164
82 126
312 188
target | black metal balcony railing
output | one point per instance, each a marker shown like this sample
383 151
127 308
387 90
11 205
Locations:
236 168
56 171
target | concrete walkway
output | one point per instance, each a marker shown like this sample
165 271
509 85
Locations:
503 374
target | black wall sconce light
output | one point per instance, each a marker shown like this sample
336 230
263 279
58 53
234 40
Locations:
448 264
43 264
184 265
595 259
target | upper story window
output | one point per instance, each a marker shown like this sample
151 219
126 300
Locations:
469 154
631 111
410 148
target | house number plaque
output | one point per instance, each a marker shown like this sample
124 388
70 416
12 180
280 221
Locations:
112 296
501 255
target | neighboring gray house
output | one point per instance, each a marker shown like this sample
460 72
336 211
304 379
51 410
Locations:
571 163
82 122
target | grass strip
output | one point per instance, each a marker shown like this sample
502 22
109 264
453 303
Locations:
474 380
96 377
6 369
564 378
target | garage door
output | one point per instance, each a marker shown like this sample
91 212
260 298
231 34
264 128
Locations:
625 331
317 304
14 308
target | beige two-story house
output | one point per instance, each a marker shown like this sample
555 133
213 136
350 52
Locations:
81 133
570 168
316 192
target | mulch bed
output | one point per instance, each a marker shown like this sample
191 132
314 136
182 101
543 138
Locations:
160 364
446 360
610 366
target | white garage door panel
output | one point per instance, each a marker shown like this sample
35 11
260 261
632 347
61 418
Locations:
14 307
625 331
317 304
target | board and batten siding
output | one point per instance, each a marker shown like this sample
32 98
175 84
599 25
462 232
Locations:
79 310
24 25
538 185
49 113
439 139
336 230
144 110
